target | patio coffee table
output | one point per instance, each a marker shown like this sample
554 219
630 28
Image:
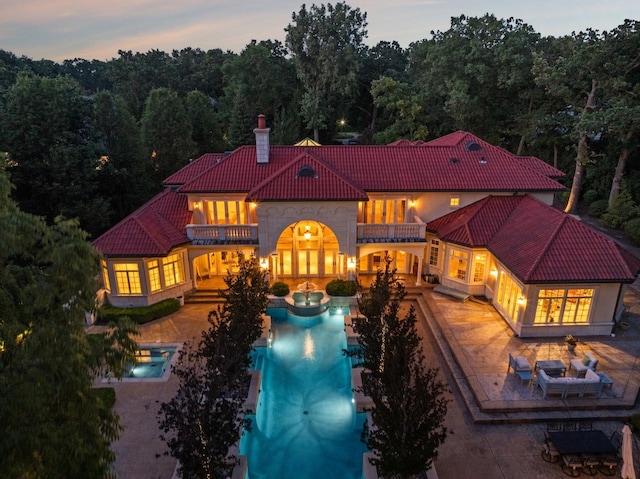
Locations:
553 367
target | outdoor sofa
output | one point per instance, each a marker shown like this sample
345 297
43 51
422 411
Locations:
567 386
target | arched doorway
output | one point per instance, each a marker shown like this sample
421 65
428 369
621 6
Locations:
309 249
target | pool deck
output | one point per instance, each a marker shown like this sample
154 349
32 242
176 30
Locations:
495 421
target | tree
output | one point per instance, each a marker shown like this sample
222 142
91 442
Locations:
52 423
620 88
166 133
123 171
325 42
204 419
409 403
264 75
384 60
205 127
48 130
134 76
476 76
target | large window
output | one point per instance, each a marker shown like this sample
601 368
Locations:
173 270
458 261
509 295
127 278
154 275
226 212
563 306
434 250
382 211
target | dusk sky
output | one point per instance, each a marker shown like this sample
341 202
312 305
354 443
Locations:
97 29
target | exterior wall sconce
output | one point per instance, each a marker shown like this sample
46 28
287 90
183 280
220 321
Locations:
412 204
253 205
521 300
264 263
351 263
494 273
196 205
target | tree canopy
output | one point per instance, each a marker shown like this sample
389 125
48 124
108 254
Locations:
497 78
52 422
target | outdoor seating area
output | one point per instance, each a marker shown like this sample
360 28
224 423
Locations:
553 380
580 449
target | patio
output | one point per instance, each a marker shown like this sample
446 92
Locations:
476 343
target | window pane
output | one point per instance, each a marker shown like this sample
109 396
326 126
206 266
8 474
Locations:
401 208
154 275
433 252
221 217
105 277
458 265
478 270
172 268
127 278
232 217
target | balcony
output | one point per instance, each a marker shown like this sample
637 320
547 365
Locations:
391 233
223 234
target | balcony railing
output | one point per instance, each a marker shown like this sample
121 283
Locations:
222 234
392 233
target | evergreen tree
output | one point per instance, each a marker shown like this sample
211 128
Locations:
409 403
166 133
204 419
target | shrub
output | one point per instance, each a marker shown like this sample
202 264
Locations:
632 228
340 287
280 289
598 208
623 209
590 196
108 313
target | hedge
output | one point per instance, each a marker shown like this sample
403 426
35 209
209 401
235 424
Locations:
108 313
341 287
280 289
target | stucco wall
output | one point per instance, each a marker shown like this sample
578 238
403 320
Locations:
339 216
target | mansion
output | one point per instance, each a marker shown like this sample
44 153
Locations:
471 215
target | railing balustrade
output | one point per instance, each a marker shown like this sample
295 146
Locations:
391 233
223 234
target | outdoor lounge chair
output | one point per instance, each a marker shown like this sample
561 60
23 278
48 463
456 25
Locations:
581 365
518 364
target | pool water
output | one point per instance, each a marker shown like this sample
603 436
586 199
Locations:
150 362
305 424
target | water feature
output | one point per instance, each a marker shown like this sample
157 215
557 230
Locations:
305 424
307 301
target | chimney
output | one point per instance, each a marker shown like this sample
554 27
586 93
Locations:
262 141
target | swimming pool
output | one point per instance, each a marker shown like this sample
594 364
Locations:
151 362
305 423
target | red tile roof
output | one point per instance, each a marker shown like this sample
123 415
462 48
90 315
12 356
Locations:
193 169
152 230
538 243
445 165
319 183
